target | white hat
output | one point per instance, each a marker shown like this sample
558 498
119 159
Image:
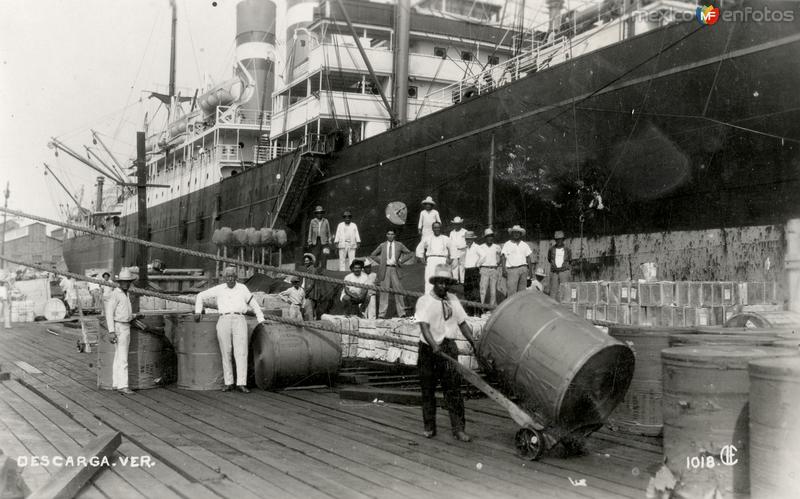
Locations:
488 232
539 271
457 220
516 228
428 200
443 271
470 235
125 275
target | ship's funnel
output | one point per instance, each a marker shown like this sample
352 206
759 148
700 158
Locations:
299 14
98 204
255 49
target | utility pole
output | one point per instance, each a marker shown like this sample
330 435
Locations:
490 204
7 193
141 186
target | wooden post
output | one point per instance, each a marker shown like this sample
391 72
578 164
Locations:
490 216
141 182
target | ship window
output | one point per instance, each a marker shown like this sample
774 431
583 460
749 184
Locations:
440 52
493 60
466 55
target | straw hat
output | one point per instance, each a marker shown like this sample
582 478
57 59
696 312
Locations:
428 200
356 262
319 209
368 262
442 272
559 234
311 256
470 235
517 228
125 275
488 232
457 220
539 271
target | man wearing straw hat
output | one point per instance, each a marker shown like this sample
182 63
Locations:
119 315
559 257
347 240
515 260
489 261
427 217
233 299
440 317
319 237
458 245
536 283
472 275
436 251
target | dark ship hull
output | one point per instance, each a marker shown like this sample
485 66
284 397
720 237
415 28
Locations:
687 127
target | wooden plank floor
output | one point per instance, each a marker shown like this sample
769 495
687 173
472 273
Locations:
299 443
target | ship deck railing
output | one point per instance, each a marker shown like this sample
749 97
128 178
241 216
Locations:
312 143
235 117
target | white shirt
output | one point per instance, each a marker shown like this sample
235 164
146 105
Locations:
559 257
294 296
431 311
437 246
351 277
426 220
472 256
233 300
346 235
118 309
391 253
3 292
516 254
107 290
490 255
457 241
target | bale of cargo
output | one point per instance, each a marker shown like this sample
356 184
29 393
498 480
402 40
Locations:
280 238
267 236
218 238
226 236
253 237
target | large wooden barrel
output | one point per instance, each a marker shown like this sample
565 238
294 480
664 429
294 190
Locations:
784 319
199 357
770 331
568 371
787 343
640 411
149 361
286 355
753 340
705 413
774 432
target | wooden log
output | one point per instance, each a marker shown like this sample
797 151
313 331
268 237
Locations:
70 479
12 485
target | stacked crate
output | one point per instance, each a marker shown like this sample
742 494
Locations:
665 303
22 311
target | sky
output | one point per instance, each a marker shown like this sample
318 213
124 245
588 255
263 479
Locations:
68 66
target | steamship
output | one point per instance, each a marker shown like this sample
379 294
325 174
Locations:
613 119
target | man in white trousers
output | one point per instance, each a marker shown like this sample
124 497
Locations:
119 315
233 299
437 252
347 240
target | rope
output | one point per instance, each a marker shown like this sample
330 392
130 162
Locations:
319 325
232 261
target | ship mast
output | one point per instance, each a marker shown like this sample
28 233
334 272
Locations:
402 28
171 90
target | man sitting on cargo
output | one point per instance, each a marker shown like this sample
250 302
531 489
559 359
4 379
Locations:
440 317
353 297
233 300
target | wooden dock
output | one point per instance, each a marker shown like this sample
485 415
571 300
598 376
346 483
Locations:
298 443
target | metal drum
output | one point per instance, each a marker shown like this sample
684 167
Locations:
705 416
784 319
286 355
199 357
774 432
567 372
787 343
770 331
640 411
148 361
753 340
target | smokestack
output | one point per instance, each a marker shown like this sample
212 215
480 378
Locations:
255 49
299 14
98 204
554 8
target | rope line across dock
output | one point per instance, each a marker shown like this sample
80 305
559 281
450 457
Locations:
232 261
319 325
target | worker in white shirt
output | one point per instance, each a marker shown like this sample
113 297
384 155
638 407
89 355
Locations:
119 315
472 276
5 304
515 260
458 244
353 297
70 294
233 299
537 282
489 261
370 307
295 297
427 217
436 251
107 290
96 292
347 240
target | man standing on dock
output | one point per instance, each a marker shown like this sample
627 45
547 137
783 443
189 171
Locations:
440 317
458 245
559 257
119 315
347 240
516 261
436 251
233 299
319 237
490 259
310 288
390 255
472 276
427 217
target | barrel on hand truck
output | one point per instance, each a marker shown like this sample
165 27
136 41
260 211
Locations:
567 373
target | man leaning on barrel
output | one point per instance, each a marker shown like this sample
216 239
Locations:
233 299
440 317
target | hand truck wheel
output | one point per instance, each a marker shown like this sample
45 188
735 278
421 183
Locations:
530 443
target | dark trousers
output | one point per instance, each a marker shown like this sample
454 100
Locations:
316 250
432 369
472 283
556 278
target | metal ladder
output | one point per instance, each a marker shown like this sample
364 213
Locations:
295 182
